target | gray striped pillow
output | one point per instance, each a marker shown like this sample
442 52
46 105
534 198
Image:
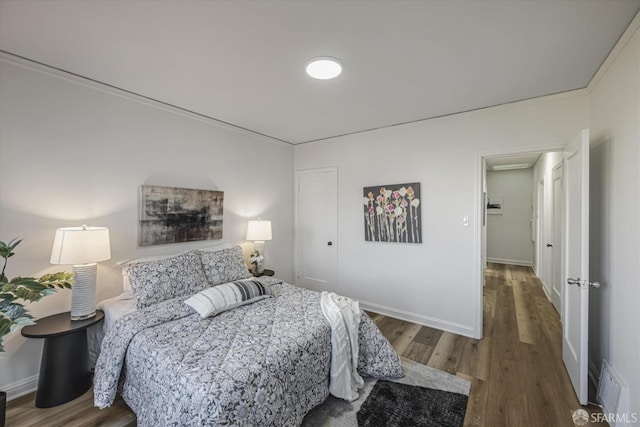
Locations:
220 298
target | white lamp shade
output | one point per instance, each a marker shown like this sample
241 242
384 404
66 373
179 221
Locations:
80 245
259 230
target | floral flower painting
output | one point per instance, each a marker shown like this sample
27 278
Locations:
392 213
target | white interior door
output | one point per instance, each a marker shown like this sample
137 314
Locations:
575 304
316 228
557 229
540 240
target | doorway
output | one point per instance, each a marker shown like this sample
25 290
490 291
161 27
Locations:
536 225
569 184
511 234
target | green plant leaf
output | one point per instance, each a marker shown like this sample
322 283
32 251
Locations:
5 325
26 288
6 249
7 297
13 310
61 279
13 314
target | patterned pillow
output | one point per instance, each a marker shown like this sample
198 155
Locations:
126 283
226 265
156 281
221 298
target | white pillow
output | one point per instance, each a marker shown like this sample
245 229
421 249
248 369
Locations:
227 296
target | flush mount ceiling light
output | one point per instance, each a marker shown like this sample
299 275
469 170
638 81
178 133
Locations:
324 68
511 167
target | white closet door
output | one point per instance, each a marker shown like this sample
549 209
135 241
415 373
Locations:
316 228
557 207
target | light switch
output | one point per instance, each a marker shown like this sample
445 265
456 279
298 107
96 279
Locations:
464 220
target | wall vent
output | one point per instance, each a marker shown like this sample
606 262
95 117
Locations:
609 388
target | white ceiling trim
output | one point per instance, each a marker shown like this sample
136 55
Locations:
32 65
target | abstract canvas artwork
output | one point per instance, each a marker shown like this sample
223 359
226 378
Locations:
392 213
175 215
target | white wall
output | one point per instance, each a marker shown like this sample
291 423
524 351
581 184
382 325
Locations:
614 117
71 154
437 282
509 238
542 171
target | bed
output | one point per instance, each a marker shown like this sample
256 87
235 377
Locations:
262 363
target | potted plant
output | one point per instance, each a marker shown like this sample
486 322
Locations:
13 314
257 260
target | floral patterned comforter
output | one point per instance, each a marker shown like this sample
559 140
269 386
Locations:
262 364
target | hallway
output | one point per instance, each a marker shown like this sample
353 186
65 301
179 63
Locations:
516 370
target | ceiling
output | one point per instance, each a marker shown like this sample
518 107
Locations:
242 62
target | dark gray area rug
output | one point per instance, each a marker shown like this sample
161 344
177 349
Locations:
394 404
338 413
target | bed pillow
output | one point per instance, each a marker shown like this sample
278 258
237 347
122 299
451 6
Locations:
226 265
216 247
126 283
156 281
220 298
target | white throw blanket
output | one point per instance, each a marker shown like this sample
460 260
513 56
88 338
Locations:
344 316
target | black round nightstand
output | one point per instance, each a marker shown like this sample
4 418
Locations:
64 369
266 272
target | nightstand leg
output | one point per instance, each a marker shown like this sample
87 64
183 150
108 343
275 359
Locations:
64 369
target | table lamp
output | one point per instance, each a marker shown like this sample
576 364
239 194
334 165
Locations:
259 231
83 247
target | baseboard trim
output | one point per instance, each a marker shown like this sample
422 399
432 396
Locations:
545 290
432 322
544 285
535 270
510 261
22 387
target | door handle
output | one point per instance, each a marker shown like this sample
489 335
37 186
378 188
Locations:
549 245
329 243
579 283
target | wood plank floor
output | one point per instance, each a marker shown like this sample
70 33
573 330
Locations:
516 371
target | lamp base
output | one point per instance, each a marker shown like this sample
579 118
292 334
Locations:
83 291
259 245
86 316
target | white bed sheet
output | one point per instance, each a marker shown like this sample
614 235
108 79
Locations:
114 309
